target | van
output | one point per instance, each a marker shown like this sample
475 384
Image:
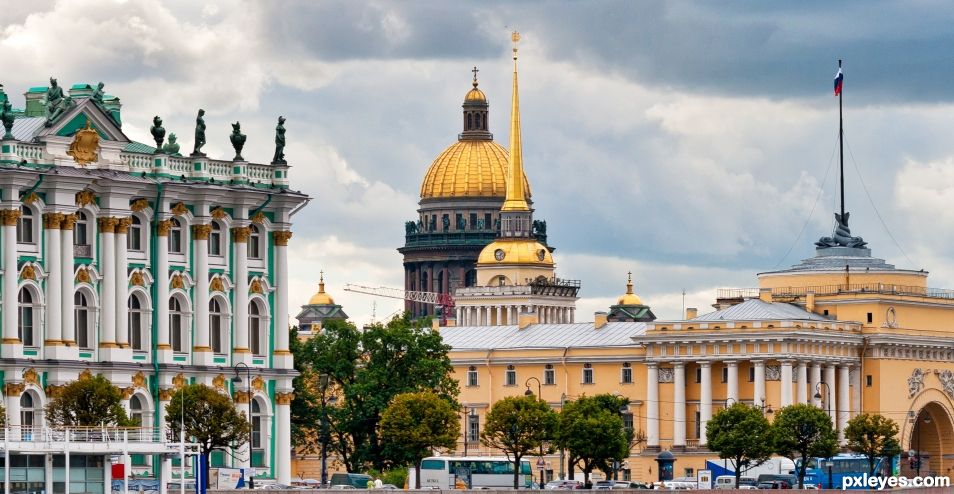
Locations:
356 480
728 482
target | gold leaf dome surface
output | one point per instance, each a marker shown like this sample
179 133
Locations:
515 251
629 298
475 95
321 298
469 168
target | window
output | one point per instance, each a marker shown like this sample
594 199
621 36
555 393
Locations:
81 320
488 222
751 374
698 374
25 226
134 235
81 229
215 239
26 316
216 326
626 374
587 373
549 376
27 410
698 424
258 453
137 315
256 325
135 410
472 376
868 381
511 376
725 374
254 242
473 221
176 325
473 428
175 236
627 420
870 317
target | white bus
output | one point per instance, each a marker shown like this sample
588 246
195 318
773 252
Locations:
474 472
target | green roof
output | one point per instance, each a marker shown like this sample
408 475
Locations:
81 85
138 147
38 89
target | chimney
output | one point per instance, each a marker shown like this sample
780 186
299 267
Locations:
436 324
451 321
599 320
691 312
527 318
765 295
810 301
35 97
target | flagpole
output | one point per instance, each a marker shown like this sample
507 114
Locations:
841 146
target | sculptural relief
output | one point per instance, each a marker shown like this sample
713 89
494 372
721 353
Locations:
915 382
666 375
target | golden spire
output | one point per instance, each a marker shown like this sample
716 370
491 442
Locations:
321 281
515 200
629 284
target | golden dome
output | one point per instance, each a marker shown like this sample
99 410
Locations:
469 168
515 251
321 298
475 95
629 298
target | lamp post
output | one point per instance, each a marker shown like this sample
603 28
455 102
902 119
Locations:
562 451
237 380
331 400
471 420
818 395
623 412
766 410
733 400
539 388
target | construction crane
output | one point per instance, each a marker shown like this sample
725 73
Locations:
443 300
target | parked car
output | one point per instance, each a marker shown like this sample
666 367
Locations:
563 485
728 482
775 484
355 480
626 484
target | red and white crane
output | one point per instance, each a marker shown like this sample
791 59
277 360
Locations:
443 300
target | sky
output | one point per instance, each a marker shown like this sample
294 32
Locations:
692 143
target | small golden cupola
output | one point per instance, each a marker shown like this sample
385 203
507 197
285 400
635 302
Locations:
629 298
629 307
321 298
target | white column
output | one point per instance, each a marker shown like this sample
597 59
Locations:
679 405
786 385
10 337
759 394
281 300
283 437
844 401
161 304
500 320
240 278
66 280
122 283
705 400
200 294
732 386
855 391
54 288
815 388
107 318
830 390
652 406
12 392
801 394
573 314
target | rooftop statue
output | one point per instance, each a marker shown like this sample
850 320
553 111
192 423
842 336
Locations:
280 142
6 115
238 141
842 236
158 133
199 134
56 102
98 93
171 147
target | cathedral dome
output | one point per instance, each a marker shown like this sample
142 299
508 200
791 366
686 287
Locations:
475 95
629 298
469 168
515 251
321 298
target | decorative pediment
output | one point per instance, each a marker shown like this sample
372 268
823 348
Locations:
75 118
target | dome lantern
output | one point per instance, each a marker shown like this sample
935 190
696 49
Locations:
321 298
476 114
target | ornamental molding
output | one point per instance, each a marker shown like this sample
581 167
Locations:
137 279
9 217
916 382
163 227
28 272
85 198
69 221
139 380
53 390
179 381
281 237
85 145
128 392
665 375
947 381
82 276
123 224
179 209
13 389
177 282
218 213
52 221
107 224
284 398
240 234
258 384
218 382
30 376
86 374
139 205
258 218
165 394
31 198
201 232
255 286
773 373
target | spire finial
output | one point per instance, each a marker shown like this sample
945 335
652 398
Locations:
516 199
629 283
515 37
321 281
475 75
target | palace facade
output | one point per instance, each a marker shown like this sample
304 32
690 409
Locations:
151 268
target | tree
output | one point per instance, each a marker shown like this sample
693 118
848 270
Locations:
366 369
518 426
88 401
740 433
414 424
801 432
210 419
874 436
591 430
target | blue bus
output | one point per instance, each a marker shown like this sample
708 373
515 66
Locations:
845 465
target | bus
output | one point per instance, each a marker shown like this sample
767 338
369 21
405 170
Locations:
472 472
845 465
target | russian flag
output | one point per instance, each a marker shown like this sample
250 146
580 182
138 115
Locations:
839 79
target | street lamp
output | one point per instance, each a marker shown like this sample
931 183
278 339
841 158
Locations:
539 388
818 395
236 381
562 451
766 410
331 400
623 411
471 419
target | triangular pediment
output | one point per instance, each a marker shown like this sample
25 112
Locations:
75 118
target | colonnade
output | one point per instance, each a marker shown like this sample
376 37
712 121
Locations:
498 315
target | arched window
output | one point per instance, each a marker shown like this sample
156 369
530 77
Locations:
26 317
25 225
137 318
256 328
215 239
254 242
136 410
217 326
81 230
470 125
28 411
477 121
134 235
81 320
258 452
176 325
175 236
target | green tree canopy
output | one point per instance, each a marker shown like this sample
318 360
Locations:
366 369
874 436
591 430
415 424
740 433
209 417
518 426
801 432
88 401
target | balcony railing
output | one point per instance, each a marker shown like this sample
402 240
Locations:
87 435
838 289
